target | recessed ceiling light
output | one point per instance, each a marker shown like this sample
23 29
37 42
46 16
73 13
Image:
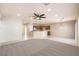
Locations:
56 15
49 9
58 19
18 14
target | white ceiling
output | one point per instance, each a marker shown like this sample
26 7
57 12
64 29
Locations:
59 11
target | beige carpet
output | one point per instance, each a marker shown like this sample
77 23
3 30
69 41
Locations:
38 47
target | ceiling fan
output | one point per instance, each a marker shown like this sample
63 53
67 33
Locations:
39 17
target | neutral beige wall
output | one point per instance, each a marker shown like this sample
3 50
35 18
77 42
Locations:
66 30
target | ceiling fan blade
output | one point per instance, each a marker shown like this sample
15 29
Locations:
36 15
42 15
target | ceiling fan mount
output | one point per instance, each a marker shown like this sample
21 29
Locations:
46 4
